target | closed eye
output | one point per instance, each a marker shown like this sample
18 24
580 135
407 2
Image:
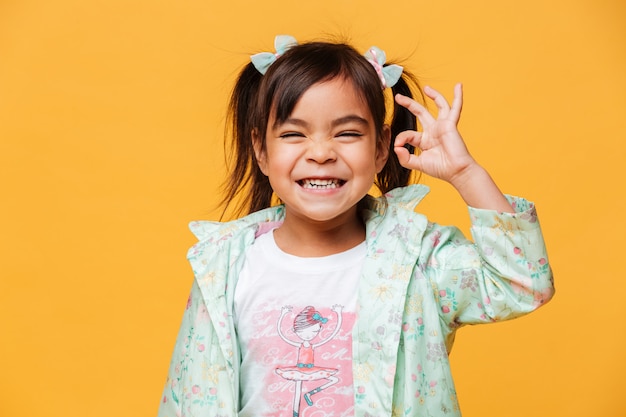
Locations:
349 136
356 134
287 135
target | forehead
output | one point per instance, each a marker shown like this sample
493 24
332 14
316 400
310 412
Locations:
333 99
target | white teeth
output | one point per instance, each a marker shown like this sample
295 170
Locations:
320 184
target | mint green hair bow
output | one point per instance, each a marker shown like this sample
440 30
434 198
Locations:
263 60
388 75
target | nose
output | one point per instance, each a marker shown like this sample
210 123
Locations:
321 151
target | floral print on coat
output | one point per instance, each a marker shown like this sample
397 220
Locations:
420 283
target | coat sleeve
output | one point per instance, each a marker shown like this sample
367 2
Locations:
197 382
503 274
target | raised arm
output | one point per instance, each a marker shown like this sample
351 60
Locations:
442 152
337 310
283 312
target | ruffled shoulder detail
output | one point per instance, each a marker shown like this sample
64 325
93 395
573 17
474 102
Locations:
221 243
205 230
212 235
201 229
403 197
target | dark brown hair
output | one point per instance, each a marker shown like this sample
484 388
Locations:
255 96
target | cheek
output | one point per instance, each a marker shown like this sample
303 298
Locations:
283 158
277 165
368 160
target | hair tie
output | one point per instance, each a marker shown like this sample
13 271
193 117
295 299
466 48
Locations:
319 318
263 60
388 75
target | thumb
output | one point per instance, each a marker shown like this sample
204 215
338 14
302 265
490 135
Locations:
407 159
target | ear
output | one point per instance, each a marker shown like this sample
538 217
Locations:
382 148
259 152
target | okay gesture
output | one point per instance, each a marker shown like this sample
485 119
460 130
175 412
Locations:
442 152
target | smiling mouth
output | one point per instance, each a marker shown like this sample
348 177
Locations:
317 184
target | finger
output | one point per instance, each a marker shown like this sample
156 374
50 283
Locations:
408 136
457 103
416 109
407 159
439 99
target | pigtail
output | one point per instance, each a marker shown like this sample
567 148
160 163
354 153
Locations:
245 179
393 174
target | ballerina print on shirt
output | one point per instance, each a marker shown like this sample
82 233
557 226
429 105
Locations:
306 326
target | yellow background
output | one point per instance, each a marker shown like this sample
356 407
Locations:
111 115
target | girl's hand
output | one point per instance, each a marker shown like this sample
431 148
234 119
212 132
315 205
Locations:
442 153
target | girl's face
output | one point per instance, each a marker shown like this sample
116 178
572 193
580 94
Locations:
323 159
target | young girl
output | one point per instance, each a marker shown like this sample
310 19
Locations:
334 297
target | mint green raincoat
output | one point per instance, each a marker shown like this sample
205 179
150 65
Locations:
420 283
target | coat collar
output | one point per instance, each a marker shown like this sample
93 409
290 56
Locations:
404 197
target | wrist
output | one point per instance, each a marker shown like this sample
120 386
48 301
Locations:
478 189
472 172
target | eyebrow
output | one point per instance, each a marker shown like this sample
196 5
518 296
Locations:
351 118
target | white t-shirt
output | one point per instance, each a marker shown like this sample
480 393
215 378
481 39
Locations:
294 319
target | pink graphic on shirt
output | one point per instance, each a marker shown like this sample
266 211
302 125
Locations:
307 326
